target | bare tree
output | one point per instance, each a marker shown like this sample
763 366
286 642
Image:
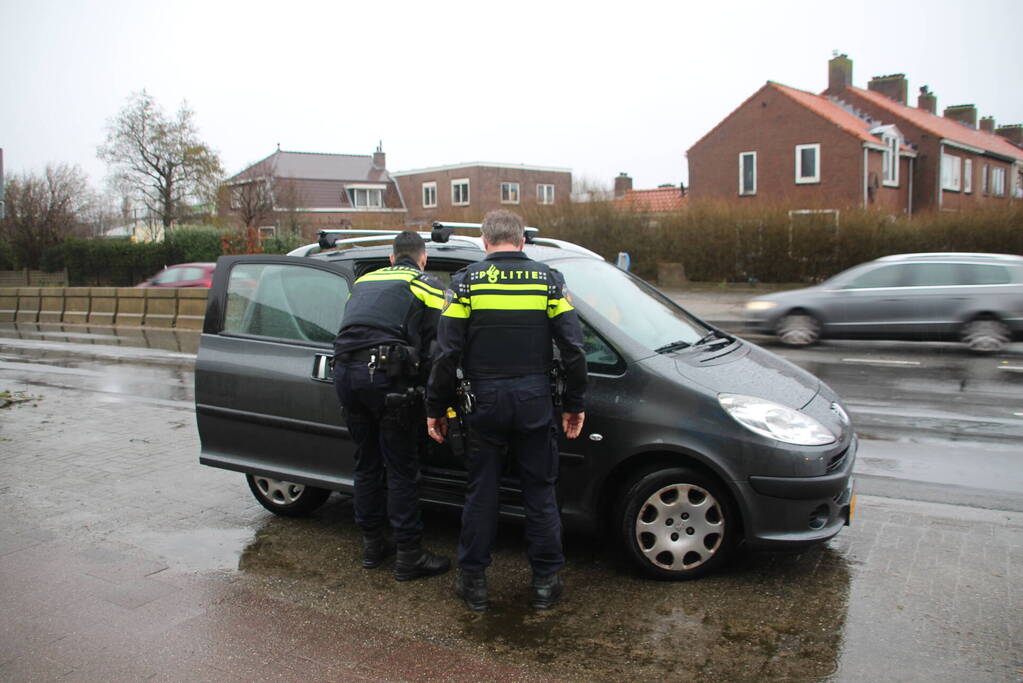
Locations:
252 198
43 210
160 160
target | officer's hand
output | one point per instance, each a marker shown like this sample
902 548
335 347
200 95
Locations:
572 424
437 428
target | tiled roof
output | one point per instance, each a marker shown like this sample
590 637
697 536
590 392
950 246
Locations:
316 166
659 200
942 127
827 109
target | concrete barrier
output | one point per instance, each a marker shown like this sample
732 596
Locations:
102 305
118 306
191 308
28 305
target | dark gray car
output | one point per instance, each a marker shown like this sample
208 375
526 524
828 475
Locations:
695 440
975 298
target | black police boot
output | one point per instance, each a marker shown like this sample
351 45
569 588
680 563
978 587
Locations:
471 587
547 591
414 563
376 547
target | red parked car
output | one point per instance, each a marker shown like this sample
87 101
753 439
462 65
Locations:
182 275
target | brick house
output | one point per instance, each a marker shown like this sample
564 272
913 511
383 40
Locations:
467 191
791 147
849 147
960 164
313 191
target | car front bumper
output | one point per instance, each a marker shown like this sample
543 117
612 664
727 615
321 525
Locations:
790 512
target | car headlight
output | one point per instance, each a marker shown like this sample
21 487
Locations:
759 305
775 421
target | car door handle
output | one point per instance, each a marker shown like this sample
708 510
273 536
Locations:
323 368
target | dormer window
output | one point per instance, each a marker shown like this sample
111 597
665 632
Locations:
365 196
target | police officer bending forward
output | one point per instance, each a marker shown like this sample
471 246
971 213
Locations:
389 323
499 323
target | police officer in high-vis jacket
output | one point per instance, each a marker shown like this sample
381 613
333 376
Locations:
498 324
380 359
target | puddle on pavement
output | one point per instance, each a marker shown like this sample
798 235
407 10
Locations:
768 615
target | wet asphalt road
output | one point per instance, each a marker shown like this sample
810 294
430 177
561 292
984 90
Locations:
924 586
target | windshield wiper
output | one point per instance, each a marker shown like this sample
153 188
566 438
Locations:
712 335
673 346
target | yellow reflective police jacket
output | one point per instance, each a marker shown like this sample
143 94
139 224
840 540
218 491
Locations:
499 319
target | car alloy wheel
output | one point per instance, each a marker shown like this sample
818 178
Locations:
799 330
677 524
986 335
286 497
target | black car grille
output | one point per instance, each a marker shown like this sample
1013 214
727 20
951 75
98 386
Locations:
836 461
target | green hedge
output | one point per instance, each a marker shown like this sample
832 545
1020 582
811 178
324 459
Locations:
122 263
727 243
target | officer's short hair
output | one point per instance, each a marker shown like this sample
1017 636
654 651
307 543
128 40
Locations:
408 244
503 227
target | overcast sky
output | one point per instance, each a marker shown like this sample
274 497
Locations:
595 87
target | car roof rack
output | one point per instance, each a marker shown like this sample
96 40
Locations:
442 230
330 239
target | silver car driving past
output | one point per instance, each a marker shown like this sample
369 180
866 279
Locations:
974 298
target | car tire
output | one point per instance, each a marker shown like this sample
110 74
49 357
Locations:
677 523
285 497
799 329
986 335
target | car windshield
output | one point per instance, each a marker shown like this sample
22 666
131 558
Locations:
627 302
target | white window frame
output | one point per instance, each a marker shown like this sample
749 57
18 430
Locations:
354 191
747 191
997 181
951 172
544 193
968 176
985 179
456 183
890 161
429 189
816 177
509 193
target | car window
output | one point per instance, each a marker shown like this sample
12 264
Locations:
285 302
167 276
977 274
933 275
885 276
600 357
644 314
189 274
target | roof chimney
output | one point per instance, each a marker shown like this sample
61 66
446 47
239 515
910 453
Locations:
987 123
1013 133
623 183
927 100
379 158
839 74
963 113
893 87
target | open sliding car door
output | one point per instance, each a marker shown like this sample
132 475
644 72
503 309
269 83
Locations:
264 394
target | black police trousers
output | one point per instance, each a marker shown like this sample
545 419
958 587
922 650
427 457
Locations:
513 414
386 453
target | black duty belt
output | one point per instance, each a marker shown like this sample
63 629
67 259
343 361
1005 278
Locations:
361 355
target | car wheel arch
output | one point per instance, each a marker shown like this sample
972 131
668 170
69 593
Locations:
628 470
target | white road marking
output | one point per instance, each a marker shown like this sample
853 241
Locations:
1014 368
879 361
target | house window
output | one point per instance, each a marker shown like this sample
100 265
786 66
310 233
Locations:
967 175
951 170
891 160
366 197
544 194
429 195
748 173
808 164
509 193
460 192
985 179
998 181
